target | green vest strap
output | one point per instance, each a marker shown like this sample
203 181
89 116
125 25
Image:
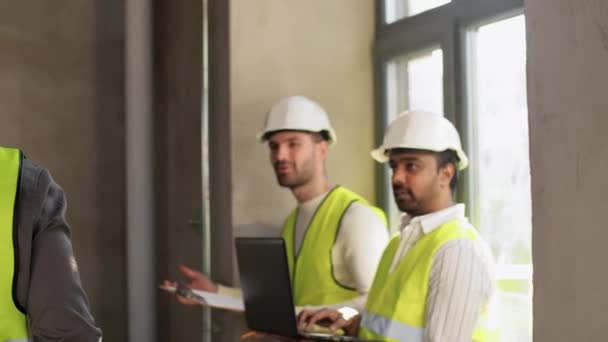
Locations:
13 326
311 272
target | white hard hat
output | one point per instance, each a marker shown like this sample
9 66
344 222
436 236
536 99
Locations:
422 131
297 113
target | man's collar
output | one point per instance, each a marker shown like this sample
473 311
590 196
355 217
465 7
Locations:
431 221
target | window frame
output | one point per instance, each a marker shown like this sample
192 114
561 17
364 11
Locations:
449 27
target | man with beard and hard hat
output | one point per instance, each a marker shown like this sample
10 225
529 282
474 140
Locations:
435 279
334 237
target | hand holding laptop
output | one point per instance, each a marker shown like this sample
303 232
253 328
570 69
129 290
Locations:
252 334
268 297
312 329
330 321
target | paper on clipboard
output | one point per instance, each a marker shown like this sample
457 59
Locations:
210 299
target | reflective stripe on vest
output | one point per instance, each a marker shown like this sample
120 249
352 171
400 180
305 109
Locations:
390 328
13 326
398 299
311 272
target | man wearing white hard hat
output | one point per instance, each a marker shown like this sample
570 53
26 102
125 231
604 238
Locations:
334 237
435 279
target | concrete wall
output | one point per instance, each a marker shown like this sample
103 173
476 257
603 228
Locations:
61 101
320 49
567 87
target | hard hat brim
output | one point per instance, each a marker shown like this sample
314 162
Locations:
380 155
333 138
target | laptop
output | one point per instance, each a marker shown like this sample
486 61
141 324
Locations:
267 291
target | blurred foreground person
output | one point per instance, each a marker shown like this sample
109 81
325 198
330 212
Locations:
41 298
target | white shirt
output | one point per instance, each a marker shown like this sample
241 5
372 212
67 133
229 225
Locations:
361 240
461 279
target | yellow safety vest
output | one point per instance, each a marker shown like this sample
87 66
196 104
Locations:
396 303
311 272
13 322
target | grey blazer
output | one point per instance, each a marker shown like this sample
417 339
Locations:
48 283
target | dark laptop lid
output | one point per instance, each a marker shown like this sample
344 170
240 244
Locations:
266 285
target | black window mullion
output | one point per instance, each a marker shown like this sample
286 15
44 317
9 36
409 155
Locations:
462 120
474 10
380 8
413 34
382 192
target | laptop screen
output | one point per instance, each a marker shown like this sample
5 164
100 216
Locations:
266 285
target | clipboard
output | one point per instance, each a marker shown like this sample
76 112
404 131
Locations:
205 298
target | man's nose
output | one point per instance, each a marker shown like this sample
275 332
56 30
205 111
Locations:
280 153
399 176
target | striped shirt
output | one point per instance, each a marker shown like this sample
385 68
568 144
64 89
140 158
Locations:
461 279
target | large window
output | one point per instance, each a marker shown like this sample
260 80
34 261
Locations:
500 200
416 81
466 59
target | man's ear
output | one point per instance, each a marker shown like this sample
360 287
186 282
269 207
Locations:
446 173
323 147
